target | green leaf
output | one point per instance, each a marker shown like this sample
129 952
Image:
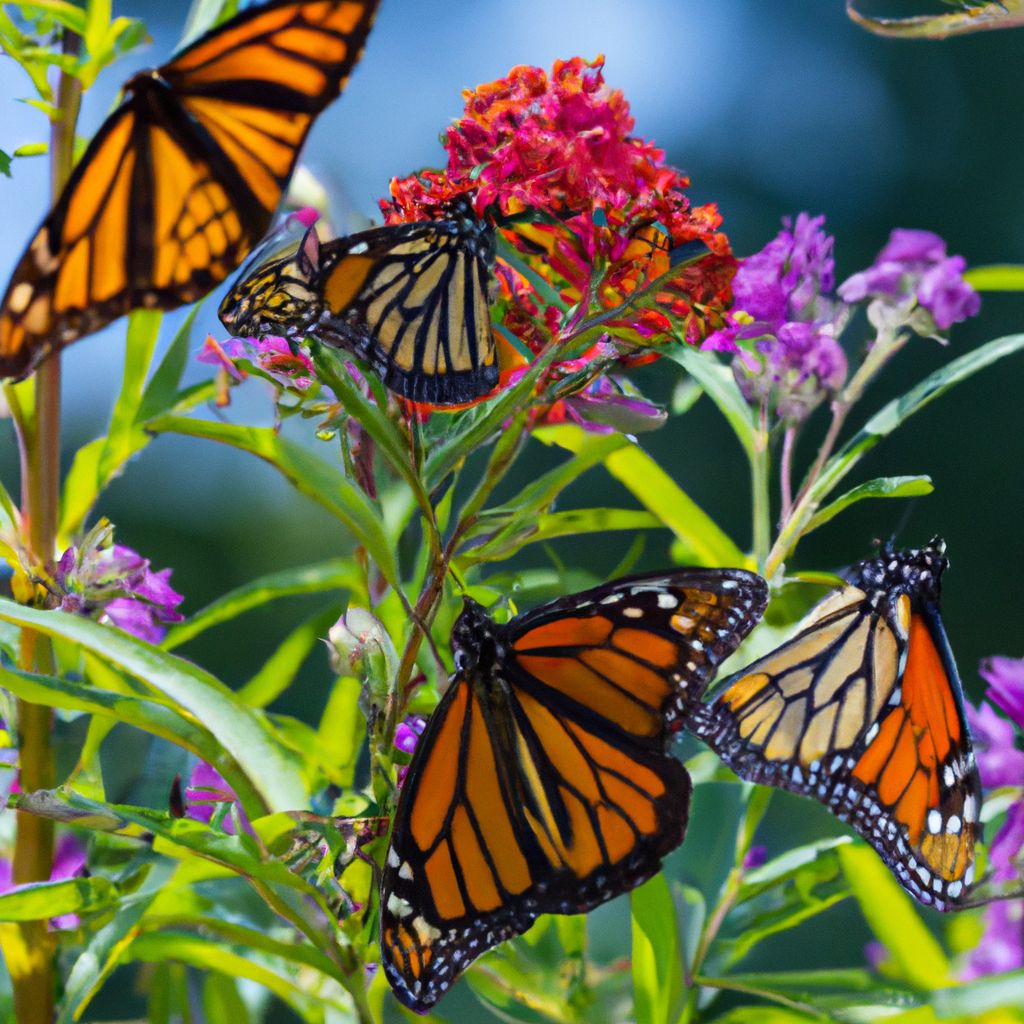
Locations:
149 715
212 955
705 542
42 900
143 330
574 522
1007 277
335 574
309 474
656 963
883 487
587 449
5 164
887 419
391 443
994 993
787 866
721 387
161 393
278 672
100 956
892 917
237 728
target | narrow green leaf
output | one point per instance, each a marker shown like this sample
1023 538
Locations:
785 918
161 393
785 867
705 542
211 955
334 574
221 1001
587 449
571 523
887 419
5 164
1007 277
310 474
237 728
143 330
278 672
150 716
391 443
656 964
43 900
883 487
997 992
721 387
892 917
100 956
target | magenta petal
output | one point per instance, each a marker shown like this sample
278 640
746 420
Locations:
1005 677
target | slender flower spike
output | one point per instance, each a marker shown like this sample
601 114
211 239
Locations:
785 322
914 267
114 584
1001 763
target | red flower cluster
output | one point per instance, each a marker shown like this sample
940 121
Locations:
590 209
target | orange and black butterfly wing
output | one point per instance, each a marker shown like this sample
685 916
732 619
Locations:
183 178
413 300
543 783
863 710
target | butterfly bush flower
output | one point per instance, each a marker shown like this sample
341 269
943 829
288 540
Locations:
914 270
271 354
1001 763
116 585
590 210
785 322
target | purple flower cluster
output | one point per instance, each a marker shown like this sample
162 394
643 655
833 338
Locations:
913 266
114 584
1001 763
785 322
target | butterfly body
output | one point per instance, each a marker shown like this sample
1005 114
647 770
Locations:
863 710
183 178
411 299
543 781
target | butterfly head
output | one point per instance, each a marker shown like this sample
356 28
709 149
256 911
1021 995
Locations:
276 297
916 570
473 638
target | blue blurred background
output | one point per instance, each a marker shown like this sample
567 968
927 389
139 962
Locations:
771 108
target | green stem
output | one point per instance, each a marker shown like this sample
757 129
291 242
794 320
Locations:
760 472
812 493
32 971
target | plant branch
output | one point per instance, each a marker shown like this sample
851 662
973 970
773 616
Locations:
34 982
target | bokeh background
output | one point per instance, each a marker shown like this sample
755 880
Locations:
771 108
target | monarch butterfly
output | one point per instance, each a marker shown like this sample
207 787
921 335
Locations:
863 710
411 299
542 783
183 178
